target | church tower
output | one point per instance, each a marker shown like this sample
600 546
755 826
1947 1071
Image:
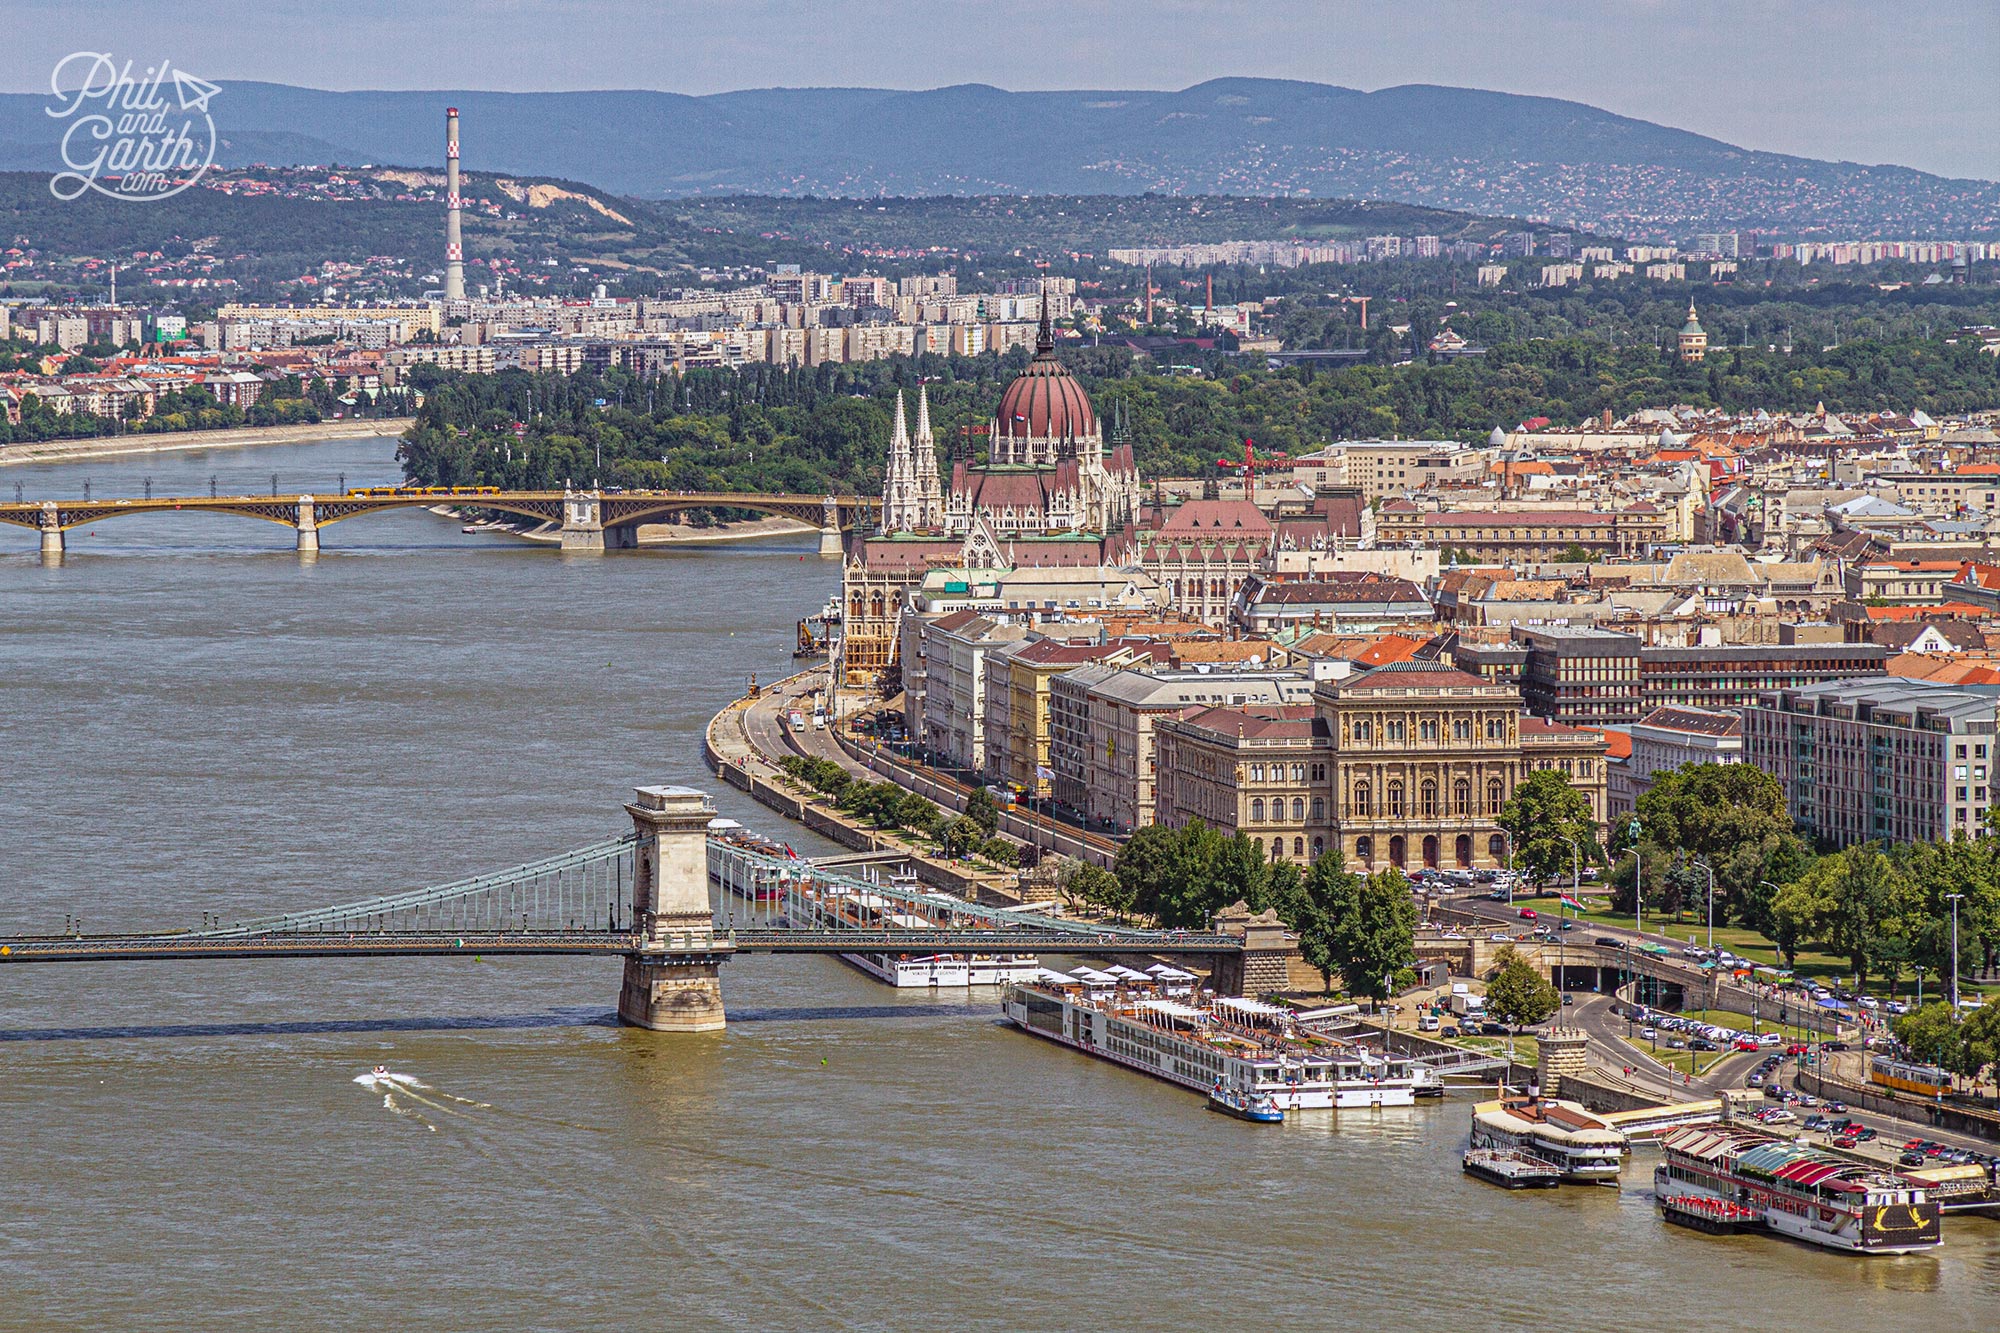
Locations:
929 496
899 482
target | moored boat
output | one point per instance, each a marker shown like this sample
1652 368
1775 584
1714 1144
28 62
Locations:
1510 1170
1256 1107
1773 1184
1246 1046
1581 1146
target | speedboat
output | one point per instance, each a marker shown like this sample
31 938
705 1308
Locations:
380 1071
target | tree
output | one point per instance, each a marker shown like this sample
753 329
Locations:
1145 863
1518 994
1364 929
1000 852
1544 816
1098 887
915 812
1327 894
1934 1035
1712 812
959 837
1852 902
979 808
1981 1035
1193 889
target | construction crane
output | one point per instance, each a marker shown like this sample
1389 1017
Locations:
1246 466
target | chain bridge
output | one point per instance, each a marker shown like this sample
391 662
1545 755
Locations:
643 897
592 520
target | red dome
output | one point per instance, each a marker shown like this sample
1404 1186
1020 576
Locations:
1043 402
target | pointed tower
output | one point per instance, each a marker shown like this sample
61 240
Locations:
929 496
898 479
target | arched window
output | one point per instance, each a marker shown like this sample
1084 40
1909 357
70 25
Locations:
1496 847
1395 800
1361 794
1319 809
1257 811
1392 730
1277 849
1319 845
1428 729
1461 798
1493 798
1495 729
1298 809
1429 795
1461 728
1298 847
1361 729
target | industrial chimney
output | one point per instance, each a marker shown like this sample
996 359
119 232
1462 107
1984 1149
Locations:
454 246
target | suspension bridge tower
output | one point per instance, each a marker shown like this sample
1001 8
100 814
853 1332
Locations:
673 983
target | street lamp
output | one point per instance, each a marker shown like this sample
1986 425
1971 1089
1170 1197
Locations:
1638 890
1920 985
1953 898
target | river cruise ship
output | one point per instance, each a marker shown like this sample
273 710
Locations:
946 970
1210 1043
1762 1182
1581 1146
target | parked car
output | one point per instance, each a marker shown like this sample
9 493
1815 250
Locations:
1910 1157
1529 914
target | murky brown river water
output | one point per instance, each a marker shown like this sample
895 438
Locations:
193 721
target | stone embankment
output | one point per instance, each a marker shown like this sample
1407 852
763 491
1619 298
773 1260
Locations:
736 759
114 446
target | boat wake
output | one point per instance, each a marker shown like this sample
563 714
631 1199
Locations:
408 1096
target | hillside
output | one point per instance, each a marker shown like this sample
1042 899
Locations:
258 231
1450 148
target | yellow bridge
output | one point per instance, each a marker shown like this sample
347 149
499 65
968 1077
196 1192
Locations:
594 520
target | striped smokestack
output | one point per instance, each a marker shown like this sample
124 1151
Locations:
454 246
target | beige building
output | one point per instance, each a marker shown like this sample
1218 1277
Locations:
1407 765
1390 467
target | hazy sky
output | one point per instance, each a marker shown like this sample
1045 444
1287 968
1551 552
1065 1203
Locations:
1909 82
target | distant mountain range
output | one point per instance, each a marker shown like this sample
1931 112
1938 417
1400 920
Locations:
1454 148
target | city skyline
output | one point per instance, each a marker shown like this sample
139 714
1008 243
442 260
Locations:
1751 76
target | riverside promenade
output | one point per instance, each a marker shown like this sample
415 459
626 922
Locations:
760 732
160 442
744 743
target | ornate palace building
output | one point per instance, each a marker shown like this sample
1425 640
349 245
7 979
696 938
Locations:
1049 495
1406 765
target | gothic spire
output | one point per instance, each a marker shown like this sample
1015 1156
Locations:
1045 338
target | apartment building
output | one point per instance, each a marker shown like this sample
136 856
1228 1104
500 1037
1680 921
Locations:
1390 467
1101 730
1879 758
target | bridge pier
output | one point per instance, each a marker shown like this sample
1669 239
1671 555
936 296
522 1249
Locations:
52 533
584 528
829 529
673 984
308 527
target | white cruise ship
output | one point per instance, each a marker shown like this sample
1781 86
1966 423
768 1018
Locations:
943 971
1237 1046
1586 1149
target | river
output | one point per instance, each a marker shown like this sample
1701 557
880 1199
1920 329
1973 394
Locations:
196 721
